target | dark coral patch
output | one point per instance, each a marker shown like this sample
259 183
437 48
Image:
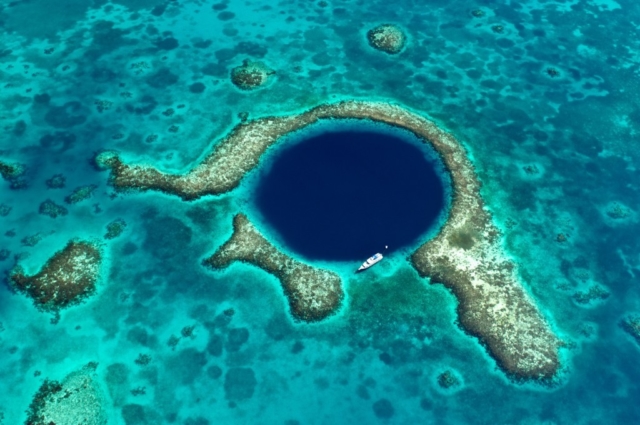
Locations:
164 234
103 75
163 78
226 16
197 88
68 115
58 141
168 43
51 209
239 383
383 409
144 106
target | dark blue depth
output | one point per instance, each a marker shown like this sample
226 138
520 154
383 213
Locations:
345 195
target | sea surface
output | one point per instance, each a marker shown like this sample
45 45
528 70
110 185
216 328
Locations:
543 94
338 190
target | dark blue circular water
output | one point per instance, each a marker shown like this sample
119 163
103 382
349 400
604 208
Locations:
344 195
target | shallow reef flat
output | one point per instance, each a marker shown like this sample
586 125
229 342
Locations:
67 278
75 400
466 256
313 293
240 151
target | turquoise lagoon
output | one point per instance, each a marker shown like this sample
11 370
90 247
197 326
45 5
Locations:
544 95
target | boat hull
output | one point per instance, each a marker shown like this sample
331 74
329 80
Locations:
370 262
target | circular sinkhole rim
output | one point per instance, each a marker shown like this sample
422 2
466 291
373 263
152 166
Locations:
253 179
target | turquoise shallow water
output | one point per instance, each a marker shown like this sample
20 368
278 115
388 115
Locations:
556 155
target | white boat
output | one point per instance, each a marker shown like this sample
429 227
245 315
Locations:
371 261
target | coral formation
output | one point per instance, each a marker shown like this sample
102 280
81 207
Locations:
57 181
80 194
250 75
75 400
448 379
10 171
594 293
67 278
552 72
239 383
466 256
632 326
32 240
143 359
4 210
115 228
313 293
52 209
383 409
387 38
618 211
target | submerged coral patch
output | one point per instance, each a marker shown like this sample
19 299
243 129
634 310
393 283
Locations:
68 115
52 209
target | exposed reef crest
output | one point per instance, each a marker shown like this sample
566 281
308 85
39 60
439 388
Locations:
387 38
76 400
67 278
466 256
313 293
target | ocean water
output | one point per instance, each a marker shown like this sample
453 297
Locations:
543 94
339 195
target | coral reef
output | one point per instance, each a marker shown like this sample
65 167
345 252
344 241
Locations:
448 379
383 409
594 293
11 171
250 75
618 211
80 194
57 181
552 72
187 331
52 209
67 278
4 210
631 325
32 240
239 383
313 293
143 359
466 256
387 38
75 400
139 391
115 228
